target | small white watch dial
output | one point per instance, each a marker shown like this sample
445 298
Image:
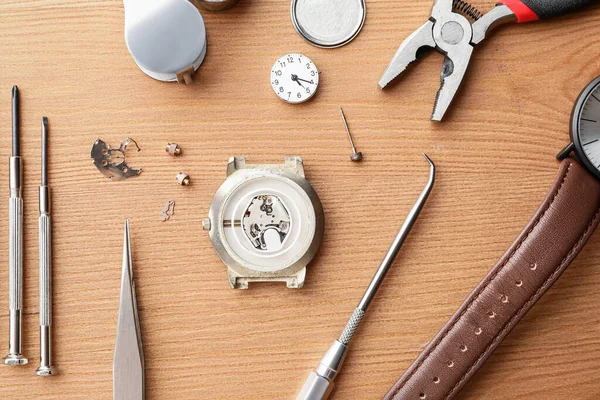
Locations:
294 78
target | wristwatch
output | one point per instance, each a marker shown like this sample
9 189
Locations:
558 231
265 222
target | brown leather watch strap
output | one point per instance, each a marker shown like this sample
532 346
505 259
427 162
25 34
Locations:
556 234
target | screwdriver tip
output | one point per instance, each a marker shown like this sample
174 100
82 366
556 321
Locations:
15 90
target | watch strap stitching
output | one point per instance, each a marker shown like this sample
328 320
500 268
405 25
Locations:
489 281
509 325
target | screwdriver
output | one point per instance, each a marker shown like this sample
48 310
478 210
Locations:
15 241
319 384
45 254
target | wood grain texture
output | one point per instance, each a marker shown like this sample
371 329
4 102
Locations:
495 155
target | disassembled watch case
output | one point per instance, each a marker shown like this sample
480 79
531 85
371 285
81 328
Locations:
111 162
266 223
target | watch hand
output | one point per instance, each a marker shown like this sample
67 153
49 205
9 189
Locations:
297 80
304 80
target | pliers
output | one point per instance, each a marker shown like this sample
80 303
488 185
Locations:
455 27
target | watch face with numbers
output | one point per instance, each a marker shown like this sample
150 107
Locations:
585 127
294 78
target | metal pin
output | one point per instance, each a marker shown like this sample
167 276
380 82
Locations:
319 384
45 254
356 156
15 241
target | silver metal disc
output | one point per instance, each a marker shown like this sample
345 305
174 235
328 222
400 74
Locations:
328 23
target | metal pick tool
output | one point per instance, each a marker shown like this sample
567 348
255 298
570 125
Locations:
45 254
319 384
328 23
15 241
128 364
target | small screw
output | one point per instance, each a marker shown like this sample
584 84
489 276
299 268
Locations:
183 179
173 149
356 155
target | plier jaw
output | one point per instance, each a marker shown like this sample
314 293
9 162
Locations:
448 33
451 34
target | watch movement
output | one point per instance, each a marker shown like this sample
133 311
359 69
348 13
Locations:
294 78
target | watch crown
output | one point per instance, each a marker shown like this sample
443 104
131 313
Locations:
206 224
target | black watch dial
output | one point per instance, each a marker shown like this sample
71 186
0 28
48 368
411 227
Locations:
585 127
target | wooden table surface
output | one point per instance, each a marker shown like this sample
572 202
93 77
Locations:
202 340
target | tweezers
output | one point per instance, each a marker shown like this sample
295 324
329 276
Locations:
128 364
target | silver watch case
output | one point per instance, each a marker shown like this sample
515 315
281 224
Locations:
239 272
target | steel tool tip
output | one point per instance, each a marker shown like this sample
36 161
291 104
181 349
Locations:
127 230
127 250
16 121
44 151
429 160
431 172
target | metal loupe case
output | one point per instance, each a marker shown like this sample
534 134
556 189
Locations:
265 222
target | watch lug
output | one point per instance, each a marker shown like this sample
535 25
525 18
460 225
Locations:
296 281
235 281
564 153
296 164
234 164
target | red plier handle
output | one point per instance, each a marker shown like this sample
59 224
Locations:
532 10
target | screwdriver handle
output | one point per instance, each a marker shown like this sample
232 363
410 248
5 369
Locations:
45 227
533 10
15 253
15 263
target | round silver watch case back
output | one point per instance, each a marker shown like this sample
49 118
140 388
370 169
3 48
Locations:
328 23
265 223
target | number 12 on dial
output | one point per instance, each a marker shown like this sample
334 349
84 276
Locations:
294 78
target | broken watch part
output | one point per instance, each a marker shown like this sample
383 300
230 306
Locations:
168 211
111 162
265 222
